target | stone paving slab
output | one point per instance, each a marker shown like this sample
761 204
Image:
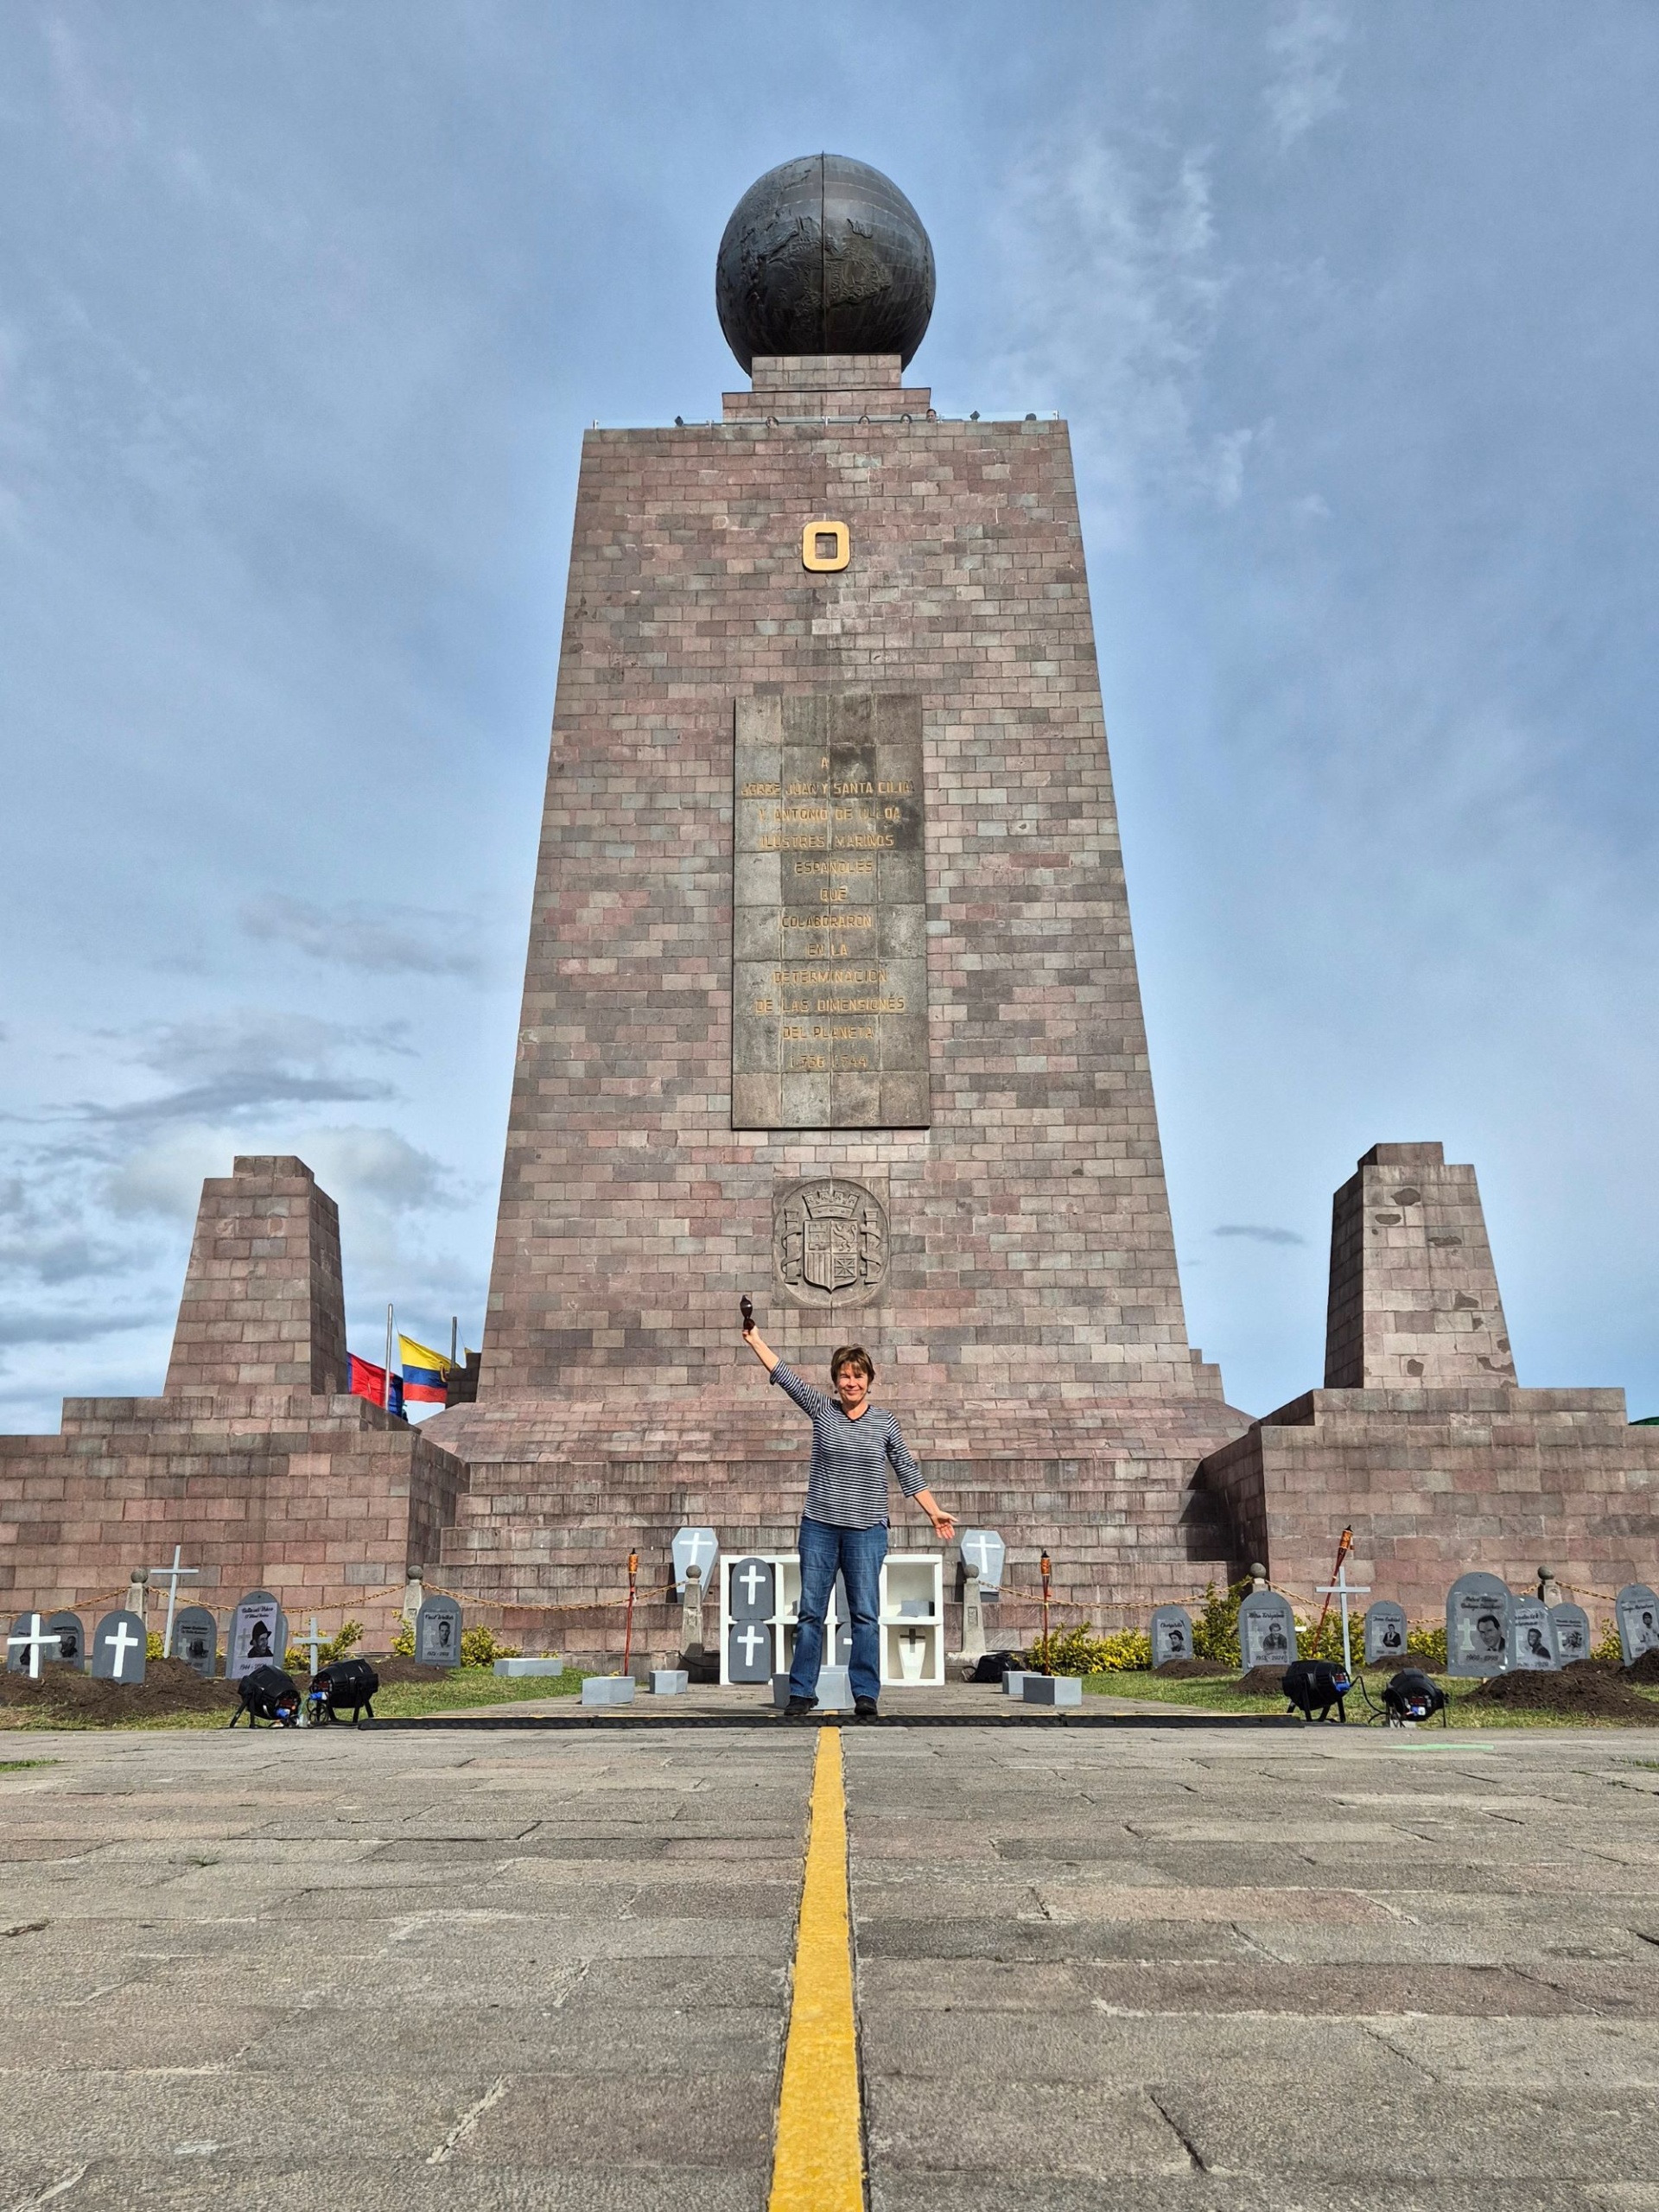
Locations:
535 1970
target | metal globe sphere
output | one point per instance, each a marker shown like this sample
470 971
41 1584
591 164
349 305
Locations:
823 255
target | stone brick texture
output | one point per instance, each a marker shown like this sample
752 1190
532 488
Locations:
1426 1446
1030 1333
254 1457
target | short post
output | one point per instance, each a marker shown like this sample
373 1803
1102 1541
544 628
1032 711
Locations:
1047 1571
627 1634
692 1611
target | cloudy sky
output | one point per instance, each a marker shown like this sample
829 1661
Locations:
302 308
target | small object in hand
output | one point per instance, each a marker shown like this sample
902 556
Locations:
745 1307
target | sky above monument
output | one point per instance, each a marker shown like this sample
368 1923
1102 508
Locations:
303 311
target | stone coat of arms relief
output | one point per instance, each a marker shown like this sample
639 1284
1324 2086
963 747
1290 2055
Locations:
829 1242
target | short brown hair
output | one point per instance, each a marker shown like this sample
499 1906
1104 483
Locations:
851 1356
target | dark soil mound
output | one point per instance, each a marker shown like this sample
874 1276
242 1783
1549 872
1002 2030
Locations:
406 1671
1261 1681
1577 1693
1396 1666
1184 1670
169 1689
1645 1669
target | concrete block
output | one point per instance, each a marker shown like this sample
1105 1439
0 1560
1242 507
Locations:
516 1670
608 1690
669 1682
1013 1681
1051 1690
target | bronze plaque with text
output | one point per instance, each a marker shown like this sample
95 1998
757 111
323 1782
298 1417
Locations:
829 915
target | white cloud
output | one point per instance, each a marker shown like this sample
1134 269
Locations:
1305 47
388 940
1118 283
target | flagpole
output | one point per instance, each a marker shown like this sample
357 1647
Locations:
388 1396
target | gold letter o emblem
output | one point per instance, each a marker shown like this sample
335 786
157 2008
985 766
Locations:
826 545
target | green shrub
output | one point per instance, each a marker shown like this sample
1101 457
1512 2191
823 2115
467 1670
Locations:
1426 1644
402 1644
1607 1647
298 1657
1214 1630
1080 1651
481 1646
153 1646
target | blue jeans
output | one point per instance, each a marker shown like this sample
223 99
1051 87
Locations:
857 1553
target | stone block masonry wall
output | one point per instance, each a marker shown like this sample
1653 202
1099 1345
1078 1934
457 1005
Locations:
1421 1442
1032 1257
255 1459
1414 1291
263 1304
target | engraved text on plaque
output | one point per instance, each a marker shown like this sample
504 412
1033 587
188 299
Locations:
830 949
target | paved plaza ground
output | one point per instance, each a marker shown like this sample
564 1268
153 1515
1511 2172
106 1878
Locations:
1160 1968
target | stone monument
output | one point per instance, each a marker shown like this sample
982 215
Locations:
830 997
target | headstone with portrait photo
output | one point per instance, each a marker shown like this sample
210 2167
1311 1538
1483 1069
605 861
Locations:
1385 1632
1532 1638
70 1649
1267 1630
258 1636
437 1633
1636 1610
195 1639
119 1648
1172 1634
1477 1609
1572 1632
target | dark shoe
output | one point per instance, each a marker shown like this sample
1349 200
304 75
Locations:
800 1708
865 1708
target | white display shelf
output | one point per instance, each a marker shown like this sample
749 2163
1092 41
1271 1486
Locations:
912 1616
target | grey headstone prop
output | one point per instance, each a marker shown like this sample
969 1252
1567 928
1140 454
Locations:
1637 1610
1478 1608
985 1552
437 1633
118 1648
749 1591
748 1652
608 1690
195 1639
669 1682
1051 1690
698 1547
516 1670
1532 1638
1267 1630
29 1645
1172 1634
258 1636
70 1649
1386 1630
1572 1632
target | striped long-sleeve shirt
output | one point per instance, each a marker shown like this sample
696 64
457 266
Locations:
848 1486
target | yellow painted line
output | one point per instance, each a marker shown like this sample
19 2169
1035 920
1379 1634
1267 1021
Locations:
818 2163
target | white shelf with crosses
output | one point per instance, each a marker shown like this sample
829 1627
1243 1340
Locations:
912 1616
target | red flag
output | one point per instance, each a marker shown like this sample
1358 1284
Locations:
369 1382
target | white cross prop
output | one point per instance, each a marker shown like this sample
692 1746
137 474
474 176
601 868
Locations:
310 1643
750 1636
35 1643
750 1580
1342 1590
171 1576
121 1640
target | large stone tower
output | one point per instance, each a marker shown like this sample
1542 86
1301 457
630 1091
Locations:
830 995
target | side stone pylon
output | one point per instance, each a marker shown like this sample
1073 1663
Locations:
254 1457
1421 1440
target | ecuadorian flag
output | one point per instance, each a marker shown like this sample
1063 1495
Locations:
426 1372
